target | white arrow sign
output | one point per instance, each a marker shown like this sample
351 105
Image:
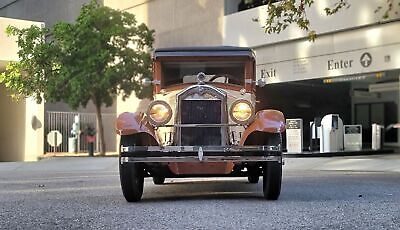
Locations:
366 59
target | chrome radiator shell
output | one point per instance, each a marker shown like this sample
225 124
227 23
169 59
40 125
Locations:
198 105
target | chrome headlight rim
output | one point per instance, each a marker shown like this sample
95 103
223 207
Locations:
151 120
242 122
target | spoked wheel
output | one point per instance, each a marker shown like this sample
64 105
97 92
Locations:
272 180
131 175
158 180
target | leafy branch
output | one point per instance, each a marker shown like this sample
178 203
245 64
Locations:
281 14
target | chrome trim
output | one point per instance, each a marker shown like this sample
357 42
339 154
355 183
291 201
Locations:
248 81
204 159
253 112
202 89
153 122
201 78
201 125
200 154
232 148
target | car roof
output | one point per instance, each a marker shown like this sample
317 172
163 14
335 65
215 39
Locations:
205 51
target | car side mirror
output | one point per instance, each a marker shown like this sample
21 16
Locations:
146 82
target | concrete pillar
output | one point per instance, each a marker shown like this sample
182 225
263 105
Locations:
21 128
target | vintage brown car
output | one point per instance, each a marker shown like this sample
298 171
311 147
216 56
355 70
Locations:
202 123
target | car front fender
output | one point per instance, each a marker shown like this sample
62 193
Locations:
267 121
134 123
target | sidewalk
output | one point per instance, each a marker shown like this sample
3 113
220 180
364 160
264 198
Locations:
82 154
363 152
361 163
63 164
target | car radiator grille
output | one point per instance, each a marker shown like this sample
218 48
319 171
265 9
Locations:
201 112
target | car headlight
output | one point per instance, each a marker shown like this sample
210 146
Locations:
242 111
159 113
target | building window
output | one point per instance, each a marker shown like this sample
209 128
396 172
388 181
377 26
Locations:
233 6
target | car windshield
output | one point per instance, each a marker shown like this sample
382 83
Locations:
230 72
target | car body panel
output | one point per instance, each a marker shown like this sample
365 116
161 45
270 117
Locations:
268 121
193 168
134 123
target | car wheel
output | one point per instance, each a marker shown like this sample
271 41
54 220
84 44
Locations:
131 175
158 180
272 180
253 179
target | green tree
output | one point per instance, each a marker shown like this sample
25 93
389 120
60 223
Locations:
283 13
103 54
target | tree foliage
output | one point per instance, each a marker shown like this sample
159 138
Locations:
283 13
103 54
28 76
100 56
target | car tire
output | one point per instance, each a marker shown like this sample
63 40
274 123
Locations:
158 180
253 179
272 180
131 175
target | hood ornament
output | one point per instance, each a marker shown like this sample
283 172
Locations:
201 77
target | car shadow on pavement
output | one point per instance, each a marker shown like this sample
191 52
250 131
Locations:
194 189
205 196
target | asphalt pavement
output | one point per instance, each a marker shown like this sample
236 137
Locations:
360 192
364 163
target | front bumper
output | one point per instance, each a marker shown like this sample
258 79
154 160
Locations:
200 153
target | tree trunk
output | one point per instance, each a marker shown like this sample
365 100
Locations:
102 149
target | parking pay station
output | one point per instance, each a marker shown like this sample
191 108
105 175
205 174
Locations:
294 135
315 134
331 133
352 137
377 136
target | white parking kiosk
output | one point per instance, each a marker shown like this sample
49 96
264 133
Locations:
331 134
377 136
353 137
315 134
294 135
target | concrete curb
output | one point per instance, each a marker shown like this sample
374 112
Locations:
65 154
364 152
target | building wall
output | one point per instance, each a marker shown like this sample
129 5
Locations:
34 130
345 35
240 29
177 23
21 123
12 125
331 55
49 12
21 128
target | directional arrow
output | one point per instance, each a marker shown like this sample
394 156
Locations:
366 59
